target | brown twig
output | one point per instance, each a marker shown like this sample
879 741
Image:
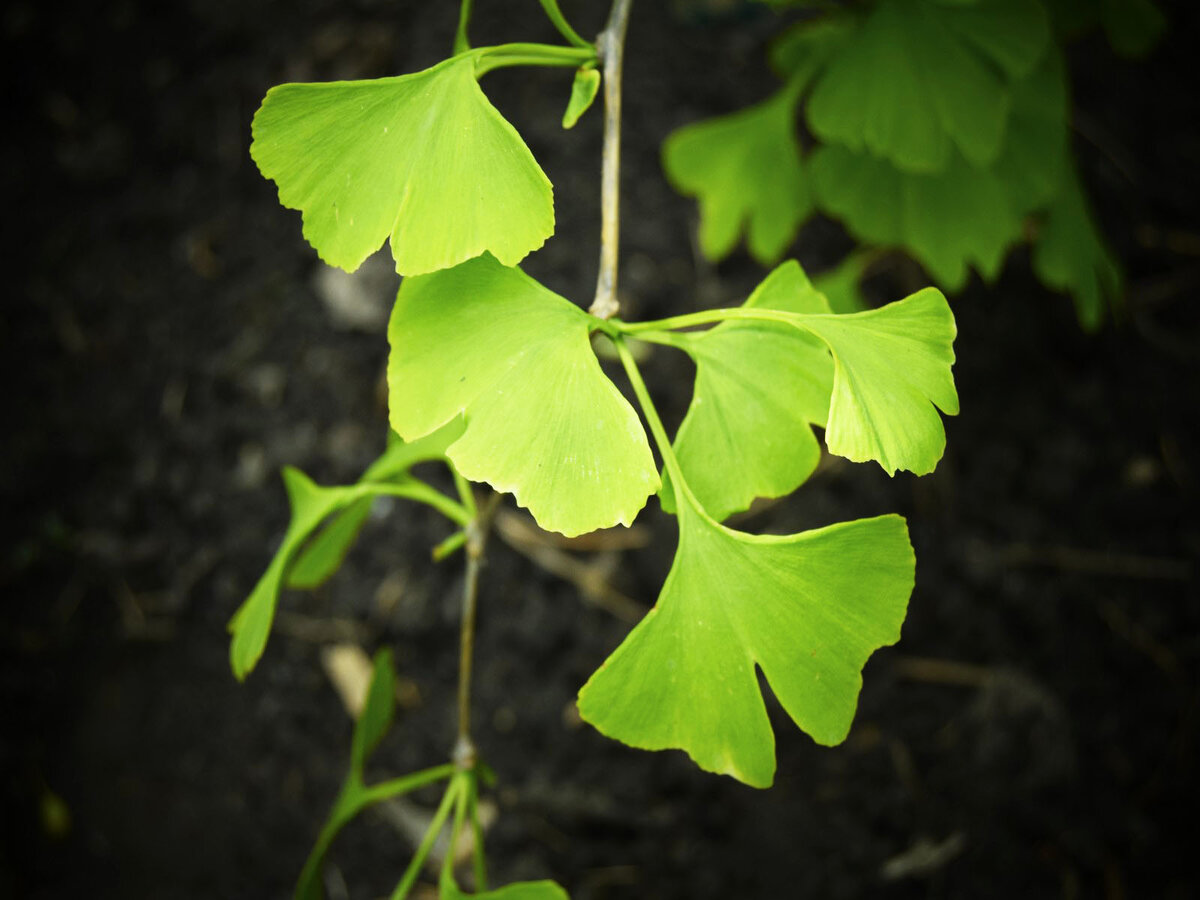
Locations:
610 46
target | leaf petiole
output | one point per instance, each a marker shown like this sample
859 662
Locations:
651 414
707 317
504 55
461 42
560 22
457 786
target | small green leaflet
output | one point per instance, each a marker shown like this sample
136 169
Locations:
891 368
759 385
919 79
745 169
373 723
490 341
311 505
323 555
808 609
448 889
422 158
583 92
949 221
1070 255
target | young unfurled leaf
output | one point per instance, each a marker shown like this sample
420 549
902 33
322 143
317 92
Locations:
802 50
948 221
448 889
808 609
759 385
745 169
311 505
1070 255
891 368
491 341
424 158
324 554
377 713
583 93
919 78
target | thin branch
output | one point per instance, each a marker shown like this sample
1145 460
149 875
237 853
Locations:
477 535
611 47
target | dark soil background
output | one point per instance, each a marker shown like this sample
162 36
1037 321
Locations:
166 349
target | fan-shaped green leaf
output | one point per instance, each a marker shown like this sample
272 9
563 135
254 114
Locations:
745 169
759 385
1070 255
808 609
948 221
918 79
491 341
424 158
891 368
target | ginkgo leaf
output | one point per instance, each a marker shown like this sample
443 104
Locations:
759 385
422 158
324 554
448 889
490 341
583 93
807 609
919 79
1034 162
377 713
311 505
1070 255
891 368
745 169
949 221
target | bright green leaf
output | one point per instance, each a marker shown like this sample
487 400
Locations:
424 158
324 554
759 385
1070 255
491 341
948 221
891 368
377 713
918 79
808 609
311 504
448 889
745 169
583 93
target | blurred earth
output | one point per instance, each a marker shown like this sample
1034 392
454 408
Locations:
169 342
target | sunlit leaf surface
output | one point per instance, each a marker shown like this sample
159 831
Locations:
543 421
422 158
807 609
759 385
